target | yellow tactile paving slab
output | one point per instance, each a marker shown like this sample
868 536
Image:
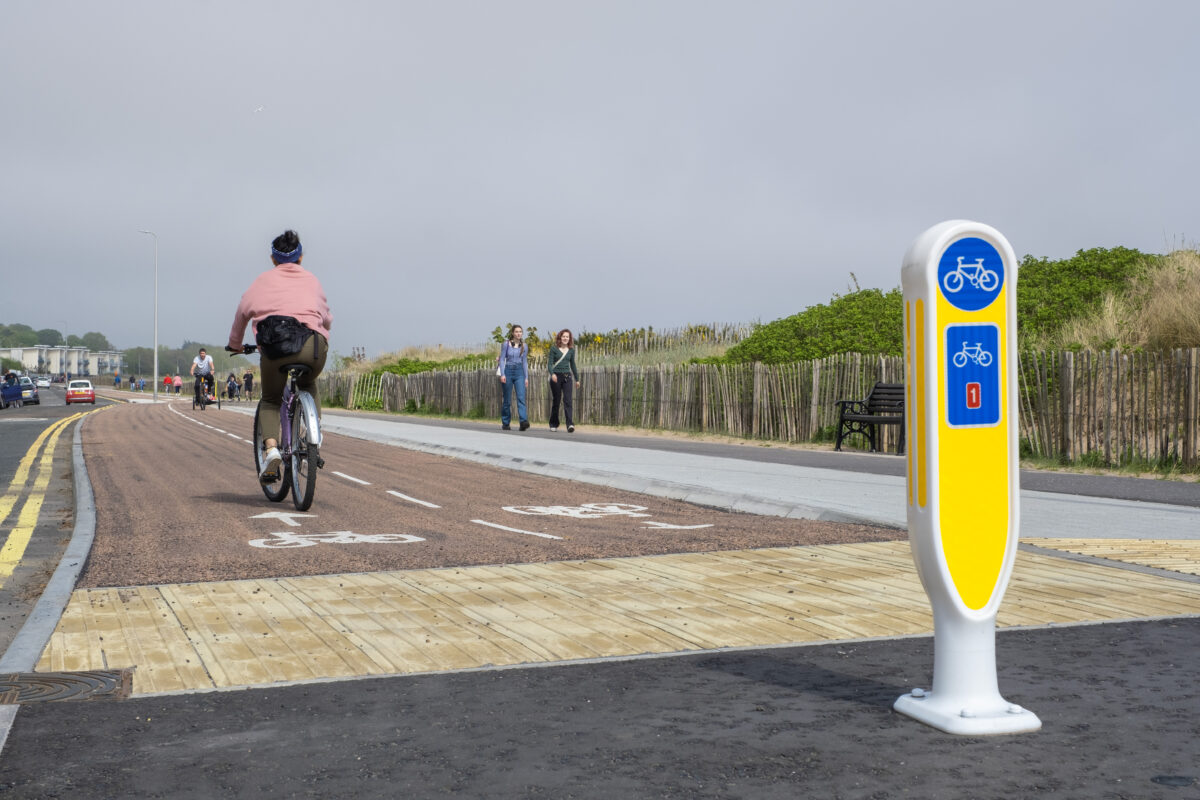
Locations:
1177 555
254 632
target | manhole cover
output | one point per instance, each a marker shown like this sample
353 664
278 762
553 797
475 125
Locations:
40 687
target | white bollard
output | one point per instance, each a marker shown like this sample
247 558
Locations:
960 306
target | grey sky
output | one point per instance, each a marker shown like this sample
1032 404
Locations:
454 165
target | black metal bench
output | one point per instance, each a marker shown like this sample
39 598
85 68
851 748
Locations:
883 406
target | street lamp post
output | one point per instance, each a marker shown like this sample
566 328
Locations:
152 233
64 358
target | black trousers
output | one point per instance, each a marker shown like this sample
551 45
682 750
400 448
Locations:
562 390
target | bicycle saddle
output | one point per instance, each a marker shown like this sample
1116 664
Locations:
301 369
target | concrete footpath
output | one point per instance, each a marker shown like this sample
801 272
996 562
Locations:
742 716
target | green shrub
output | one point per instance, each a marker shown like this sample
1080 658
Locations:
1050 294
866 321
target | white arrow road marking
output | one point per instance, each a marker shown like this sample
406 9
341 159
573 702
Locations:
515 530
411 499
282 515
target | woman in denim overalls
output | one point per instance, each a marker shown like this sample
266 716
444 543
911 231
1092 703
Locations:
513 367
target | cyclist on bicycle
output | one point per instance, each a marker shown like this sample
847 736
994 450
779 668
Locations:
203 370
276 301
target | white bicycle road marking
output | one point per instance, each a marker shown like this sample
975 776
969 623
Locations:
394 493
599 511
288 539
585 511
351 478
515 530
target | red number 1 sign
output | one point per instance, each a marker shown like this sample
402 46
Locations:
973 395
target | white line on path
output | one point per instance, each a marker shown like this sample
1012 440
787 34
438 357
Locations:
351 478
515 530
411 499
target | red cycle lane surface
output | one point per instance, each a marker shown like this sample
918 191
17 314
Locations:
177 501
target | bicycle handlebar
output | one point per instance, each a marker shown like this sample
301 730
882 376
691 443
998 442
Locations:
247 349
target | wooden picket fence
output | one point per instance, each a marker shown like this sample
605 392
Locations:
1107 408
1111 408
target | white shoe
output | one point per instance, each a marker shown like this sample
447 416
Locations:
270 468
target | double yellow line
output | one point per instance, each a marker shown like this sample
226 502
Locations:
18 539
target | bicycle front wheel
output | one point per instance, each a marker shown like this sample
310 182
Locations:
304 460
276 490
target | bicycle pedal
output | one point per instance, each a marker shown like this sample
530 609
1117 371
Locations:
320 463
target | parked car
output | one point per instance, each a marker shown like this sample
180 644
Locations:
43 382
81 392
10 391
29 391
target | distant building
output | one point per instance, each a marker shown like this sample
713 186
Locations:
43 359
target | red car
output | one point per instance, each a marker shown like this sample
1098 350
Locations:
81 392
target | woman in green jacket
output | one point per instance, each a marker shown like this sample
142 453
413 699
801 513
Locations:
564 377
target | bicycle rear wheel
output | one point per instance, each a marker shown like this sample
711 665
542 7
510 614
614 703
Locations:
303 467
276 490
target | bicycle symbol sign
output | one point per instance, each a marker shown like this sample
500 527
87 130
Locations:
975 354
973 383
970 274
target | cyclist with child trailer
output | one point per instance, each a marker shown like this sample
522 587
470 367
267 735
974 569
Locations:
291 319
202 370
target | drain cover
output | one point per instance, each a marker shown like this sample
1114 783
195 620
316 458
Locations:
40 687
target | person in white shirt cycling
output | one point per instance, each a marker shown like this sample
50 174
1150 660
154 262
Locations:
203 370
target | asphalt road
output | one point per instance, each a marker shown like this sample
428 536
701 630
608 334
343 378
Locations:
177 500
44 514
1118 703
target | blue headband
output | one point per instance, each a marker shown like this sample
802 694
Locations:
285 258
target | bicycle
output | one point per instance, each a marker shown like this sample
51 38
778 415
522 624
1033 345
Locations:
299 441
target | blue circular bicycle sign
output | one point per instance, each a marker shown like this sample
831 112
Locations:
970 274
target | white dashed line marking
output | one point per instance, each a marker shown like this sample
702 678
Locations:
394 493
515 530
351 478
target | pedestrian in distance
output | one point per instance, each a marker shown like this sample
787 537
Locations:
513 368
248 384
177 382
564 378
167 383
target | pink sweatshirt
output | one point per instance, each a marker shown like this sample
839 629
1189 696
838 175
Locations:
288 289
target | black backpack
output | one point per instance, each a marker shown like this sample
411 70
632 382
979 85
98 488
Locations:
279 336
